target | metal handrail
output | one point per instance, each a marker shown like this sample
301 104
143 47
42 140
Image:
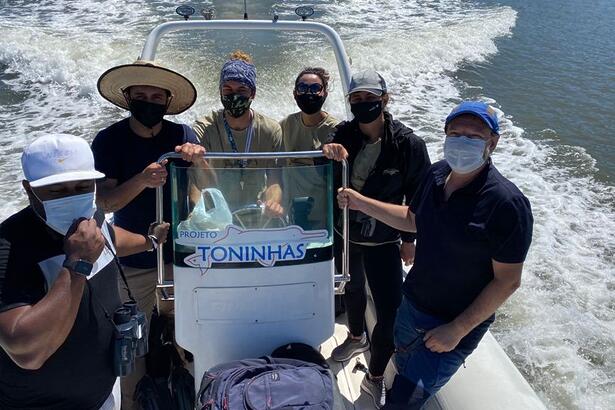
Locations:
342 279
343 63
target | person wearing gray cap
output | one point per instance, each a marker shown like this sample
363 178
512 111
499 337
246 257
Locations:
58 284
386 162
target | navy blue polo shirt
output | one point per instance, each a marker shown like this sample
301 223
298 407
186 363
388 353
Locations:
489 219
121 154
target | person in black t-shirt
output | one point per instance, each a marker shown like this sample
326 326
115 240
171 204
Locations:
474 229
127 153
58 285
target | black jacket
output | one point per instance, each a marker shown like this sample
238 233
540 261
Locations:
399 169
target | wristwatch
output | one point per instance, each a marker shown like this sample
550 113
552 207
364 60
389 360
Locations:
80 266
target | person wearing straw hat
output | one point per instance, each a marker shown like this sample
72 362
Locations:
127 152
58 292
238 128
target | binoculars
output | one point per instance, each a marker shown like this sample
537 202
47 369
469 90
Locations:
130 341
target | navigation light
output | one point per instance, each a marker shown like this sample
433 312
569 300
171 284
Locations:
185 11
304 12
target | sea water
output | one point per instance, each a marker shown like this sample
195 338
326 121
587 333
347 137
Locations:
547 66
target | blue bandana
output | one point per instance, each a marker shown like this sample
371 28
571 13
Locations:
240 71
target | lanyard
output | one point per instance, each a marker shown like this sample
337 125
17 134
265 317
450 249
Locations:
231 140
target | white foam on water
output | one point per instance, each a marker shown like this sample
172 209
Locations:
558 328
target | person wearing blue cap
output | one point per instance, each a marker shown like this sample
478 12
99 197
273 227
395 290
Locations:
239 128
474 229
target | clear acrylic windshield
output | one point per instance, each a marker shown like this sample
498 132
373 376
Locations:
253 214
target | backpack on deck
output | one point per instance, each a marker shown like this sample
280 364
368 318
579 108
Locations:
266 383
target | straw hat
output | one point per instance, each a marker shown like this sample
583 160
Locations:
142 72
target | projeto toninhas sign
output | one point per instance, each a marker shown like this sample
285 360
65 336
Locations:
236 245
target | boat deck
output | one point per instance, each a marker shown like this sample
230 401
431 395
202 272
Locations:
348 376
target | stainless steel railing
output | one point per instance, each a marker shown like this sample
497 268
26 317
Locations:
339 279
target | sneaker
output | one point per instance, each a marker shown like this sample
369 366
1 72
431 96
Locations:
375 389
349 348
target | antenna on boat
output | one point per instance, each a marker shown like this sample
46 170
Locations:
185 11
304 12
209 13
245 9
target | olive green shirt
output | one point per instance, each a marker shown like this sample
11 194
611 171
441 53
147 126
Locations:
240 186
267 137
299 137
307 181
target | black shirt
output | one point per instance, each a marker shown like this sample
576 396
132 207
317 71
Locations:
121 154
79 375
489 219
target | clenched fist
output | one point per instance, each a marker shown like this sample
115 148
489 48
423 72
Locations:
84 240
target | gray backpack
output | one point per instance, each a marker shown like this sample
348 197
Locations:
266 384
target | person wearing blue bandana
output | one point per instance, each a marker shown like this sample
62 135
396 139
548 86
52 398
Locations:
474 229
238 128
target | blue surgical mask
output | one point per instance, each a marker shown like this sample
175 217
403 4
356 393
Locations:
61 213
464 154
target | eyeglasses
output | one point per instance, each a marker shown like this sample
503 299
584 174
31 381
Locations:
303 88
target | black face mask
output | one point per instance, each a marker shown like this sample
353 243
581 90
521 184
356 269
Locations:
366 112
147 113
236 104
310 103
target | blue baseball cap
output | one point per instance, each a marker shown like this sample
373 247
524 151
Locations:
478 109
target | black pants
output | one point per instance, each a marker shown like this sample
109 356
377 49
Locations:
382 266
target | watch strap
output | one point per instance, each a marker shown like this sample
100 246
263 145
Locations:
80 266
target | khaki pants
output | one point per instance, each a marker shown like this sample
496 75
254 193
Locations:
142 283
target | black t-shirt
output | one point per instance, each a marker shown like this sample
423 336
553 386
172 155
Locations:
489 219
79 375
121 154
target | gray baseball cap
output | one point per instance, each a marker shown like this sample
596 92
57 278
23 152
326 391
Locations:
368 80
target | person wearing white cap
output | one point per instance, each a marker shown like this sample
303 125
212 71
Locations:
58 284
128 151
386 162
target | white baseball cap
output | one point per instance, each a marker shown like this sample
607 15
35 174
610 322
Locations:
57 158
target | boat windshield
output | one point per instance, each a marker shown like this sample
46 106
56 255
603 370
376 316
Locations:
234 214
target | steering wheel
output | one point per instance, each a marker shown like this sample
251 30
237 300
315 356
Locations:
253 217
